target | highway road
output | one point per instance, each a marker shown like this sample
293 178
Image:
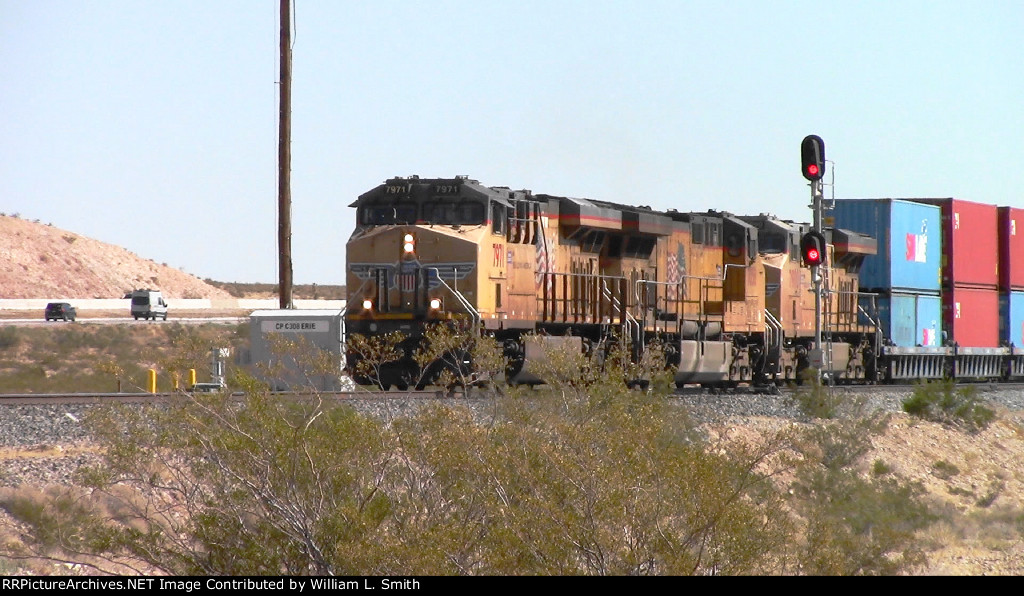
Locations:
186 311
189 320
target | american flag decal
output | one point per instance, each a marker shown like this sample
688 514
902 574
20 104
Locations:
676 271
545 262
407 279
545 257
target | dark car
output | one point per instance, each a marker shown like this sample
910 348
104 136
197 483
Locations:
60 310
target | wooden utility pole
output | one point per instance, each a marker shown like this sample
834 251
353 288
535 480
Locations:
284 159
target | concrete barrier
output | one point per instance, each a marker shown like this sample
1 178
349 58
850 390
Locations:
172 304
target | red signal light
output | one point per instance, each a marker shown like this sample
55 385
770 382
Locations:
812 157
812 249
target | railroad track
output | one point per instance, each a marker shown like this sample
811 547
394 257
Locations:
37 399
14 399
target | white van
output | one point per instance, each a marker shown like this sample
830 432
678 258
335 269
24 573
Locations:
148 304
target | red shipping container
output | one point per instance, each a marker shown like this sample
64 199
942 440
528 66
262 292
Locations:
971 317
970 243
1011 249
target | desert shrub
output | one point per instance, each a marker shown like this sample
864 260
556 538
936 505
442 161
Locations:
992 491
1000 523
814 399
579 476
841 444
9 337
944 470
301 291
73 358
861 527
944 402
570 478
437 358
821 401
880 468
855 525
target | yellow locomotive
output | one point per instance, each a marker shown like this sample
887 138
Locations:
726 294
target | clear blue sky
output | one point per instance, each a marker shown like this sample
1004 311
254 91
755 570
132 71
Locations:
153 125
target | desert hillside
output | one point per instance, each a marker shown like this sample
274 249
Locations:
38 260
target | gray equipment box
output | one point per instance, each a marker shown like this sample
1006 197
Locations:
287 348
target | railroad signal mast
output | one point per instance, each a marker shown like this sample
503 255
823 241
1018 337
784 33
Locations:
812 246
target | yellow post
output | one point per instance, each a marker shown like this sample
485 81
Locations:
152 380
191 378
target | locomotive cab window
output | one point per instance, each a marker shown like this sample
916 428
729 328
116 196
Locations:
497 218
638 247
713 234
733 245
451 214
773 243
592 242
387 214
614 247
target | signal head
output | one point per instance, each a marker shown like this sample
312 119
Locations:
812 249
812 157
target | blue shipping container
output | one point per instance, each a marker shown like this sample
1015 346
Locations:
909 319
909 242
1011 318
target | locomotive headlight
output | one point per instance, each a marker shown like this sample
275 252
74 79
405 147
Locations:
435 303
408 244
367 304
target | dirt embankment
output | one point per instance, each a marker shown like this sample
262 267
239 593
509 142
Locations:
41 261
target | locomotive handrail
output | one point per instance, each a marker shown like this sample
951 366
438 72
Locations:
773 337
836 314
357 293
458 295
343 334
630 319
877 323
639 301
776 328
725 271
584 288
718 278
715 277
